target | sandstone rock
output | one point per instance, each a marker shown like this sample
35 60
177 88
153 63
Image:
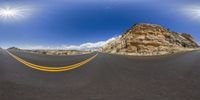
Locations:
149 39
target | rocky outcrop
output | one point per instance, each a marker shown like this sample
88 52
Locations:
149 39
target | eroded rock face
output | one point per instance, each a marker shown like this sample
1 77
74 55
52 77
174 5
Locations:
149 39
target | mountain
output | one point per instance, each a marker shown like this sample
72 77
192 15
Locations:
149 39
51 52
13 48
58 52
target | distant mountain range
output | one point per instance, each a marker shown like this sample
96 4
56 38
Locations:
150 39
51 52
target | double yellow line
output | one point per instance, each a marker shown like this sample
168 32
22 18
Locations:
51 69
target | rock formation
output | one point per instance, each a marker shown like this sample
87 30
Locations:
149 39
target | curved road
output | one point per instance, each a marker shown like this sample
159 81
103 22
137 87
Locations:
107 77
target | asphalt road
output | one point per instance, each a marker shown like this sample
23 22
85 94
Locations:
107 77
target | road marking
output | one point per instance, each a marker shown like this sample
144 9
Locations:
51 69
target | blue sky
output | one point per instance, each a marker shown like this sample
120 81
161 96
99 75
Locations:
75 23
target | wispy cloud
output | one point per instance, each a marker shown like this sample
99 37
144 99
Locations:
84 46
192 11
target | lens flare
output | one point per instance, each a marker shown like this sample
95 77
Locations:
13 13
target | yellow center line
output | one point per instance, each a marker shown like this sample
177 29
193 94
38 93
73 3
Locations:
51 69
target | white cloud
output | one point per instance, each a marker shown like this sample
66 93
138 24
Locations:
89 45
84 46
192 11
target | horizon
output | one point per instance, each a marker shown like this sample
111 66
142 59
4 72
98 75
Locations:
67 24
84 45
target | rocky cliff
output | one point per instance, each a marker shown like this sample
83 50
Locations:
149 39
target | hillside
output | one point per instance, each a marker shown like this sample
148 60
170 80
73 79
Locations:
149 39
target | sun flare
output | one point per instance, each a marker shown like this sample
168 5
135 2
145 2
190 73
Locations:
13 13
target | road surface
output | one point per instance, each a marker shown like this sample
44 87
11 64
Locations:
106 77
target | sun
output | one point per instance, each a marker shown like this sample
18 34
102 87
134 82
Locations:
13 13
8 12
